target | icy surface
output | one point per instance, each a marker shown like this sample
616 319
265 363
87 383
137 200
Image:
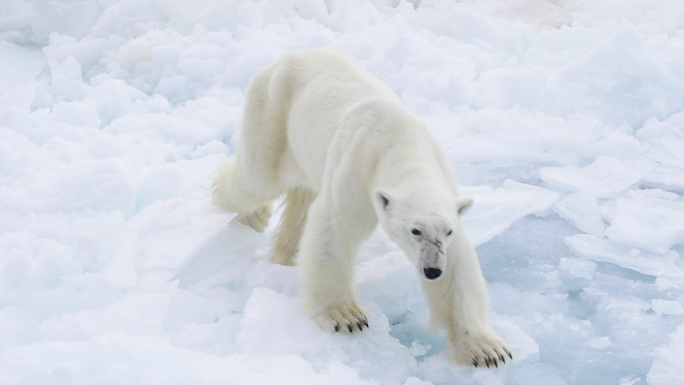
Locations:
564 120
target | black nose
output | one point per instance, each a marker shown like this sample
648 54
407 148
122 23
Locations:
432 273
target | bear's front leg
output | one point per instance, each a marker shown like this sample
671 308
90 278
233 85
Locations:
459 302
327 256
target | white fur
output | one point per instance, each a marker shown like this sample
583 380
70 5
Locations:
348 154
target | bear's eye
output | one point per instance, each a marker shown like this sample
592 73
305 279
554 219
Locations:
415 232
450 232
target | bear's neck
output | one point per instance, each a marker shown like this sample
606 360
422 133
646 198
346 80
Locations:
400 169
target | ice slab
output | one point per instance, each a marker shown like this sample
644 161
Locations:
605 177
603 250
667 177
667 307
649 219
21 69
495 210
581 209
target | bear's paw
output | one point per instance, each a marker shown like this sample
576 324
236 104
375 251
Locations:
344 318
479 348
257 220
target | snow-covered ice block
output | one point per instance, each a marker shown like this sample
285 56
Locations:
667 307
21 69
594 82
73 18
114 98
163 238
105 185
522 344
66 80
667 366
440 370
25 329
136 313
667 177
276 324
116 357
582 211
496 210
186 307
649 219
603 250
76 113
416 381
226 252
605 177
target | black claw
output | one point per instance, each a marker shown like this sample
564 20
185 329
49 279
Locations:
475 362
509 354
496 363
365 322
502 358
349 327
358 324
337 327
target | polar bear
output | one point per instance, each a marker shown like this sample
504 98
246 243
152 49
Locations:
348 154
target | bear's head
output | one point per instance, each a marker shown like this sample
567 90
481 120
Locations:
422 224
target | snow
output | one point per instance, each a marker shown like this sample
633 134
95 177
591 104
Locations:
564 120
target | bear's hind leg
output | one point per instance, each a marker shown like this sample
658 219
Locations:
291 226
231 192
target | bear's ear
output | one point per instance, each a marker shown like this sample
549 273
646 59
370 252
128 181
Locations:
464 204
383 199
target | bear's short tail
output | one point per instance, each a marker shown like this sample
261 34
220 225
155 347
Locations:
228 194
221 188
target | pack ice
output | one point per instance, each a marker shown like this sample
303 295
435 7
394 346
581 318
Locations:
564 120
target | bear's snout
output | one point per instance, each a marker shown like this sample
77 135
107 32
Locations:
432 273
